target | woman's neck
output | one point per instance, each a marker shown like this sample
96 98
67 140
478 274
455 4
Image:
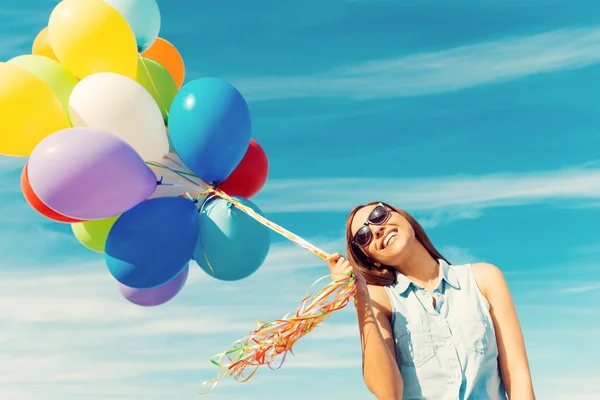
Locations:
419 266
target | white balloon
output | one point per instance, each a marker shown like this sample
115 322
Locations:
123 107
170 183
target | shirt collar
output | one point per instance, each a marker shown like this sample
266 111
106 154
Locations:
447 274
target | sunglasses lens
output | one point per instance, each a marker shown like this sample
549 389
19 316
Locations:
363 236
378 215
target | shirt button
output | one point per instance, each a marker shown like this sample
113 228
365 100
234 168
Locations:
457 375
448 343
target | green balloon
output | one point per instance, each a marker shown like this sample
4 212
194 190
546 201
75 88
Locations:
54 74
159 82
93 234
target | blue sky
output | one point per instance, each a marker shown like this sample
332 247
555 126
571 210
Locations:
478 116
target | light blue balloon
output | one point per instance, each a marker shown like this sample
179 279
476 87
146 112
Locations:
210 128
151 244
231 245
144 18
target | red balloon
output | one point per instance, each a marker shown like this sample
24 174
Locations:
250 175
37 204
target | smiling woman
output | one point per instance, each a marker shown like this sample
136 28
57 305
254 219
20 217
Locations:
429 330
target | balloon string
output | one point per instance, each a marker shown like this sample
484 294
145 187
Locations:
211 189
183 175
212 270
277 228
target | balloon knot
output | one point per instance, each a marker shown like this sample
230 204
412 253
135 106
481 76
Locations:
160 181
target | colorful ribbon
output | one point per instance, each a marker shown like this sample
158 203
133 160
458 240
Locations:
271 341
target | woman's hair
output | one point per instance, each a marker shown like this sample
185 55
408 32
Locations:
383 275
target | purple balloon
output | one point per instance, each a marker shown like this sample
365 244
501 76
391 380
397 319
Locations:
157 295
88 174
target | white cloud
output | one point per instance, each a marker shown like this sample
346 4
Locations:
584 288
441 71
441 216
66 331
284 254
8 164
337 331
559 309
457 255
10 173
12 46
584 387
68 328
450 197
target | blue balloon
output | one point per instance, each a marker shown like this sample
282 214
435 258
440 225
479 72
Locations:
210 128
151 244
143 17
231 245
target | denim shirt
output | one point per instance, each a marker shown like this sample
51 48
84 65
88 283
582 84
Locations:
446 352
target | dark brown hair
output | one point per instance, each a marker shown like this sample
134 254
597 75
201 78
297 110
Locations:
383 275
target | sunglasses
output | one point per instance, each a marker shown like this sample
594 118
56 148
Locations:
378 216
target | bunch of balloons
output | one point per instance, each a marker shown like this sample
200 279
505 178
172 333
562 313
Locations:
120 150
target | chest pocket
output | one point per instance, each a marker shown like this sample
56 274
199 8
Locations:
475 335
415 349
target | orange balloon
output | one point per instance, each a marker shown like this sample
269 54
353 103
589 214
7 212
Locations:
41 45
167 55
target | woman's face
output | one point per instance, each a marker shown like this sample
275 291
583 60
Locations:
389 241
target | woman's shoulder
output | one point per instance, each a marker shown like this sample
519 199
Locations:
485 270
380 298
486 275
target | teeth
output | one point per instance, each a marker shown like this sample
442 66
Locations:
389 238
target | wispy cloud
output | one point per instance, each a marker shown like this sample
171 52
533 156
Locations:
69 327
444 198
584 387
441 71
20 25
287 256
8 164
10 174
584 288
457 255
12 46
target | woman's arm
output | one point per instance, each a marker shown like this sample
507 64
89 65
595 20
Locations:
380 370
373 308
512 355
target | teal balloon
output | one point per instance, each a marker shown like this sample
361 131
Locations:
143 17
231 245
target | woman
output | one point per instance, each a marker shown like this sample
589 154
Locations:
429 330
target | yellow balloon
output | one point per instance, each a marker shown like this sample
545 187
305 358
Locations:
91 36
29 111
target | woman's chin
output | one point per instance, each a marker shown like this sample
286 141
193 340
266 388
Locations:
395 249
